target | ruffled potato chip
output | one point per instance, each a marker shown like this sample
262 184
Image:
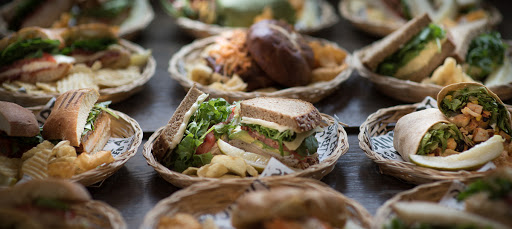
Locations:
61 169
10 166
45 145
76 81
37 165
116 77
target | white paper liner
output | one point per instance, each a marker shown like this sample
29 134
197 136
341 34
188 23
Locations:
383 144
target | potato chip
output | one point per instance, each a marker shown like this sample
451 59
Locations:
233 84
212 170
37 165
251 171
191 171
46 87
64 149
10 87
327 73
76 81
61 169
85 162
140 59
10 166
200 73
81 68
45 145
116 77
234 165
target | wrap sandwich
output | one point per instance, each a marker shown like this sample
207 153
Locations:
427 132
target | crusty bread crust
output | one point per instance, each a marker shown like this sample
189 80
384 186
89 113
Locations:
69 115
299 115
17 121
163 142
94 141
253 209
49 188
391 43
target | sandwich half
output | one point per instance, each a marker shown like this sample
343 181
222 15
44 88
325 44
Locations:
411 52
18 130
279 127
75 117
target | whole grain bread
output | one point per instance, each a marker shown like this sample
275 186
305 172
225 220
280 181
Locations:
463 34
17 121
163 142
299 115
393 42
69 115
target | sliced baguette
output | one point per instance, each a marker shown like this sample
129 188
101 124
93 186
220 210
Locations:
17 121
299 115
169 135
69 115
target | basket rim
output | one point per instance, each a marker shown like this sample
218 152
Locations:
105 94
178 179
315 89
113 215
362 216
403 170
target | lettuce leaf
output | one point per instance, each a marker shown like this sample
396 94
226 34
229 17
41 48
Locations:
485 54
28 48
92 45
497 188
438 136
308 147
274 134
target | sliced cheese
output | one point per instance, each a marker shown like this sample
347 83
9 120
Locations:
264 123
293 145
181 130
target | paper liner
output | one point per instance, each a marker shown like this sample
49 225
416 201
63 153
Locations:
114 94
213 197
382 29
200 29
311 93
383 121
409 91
315 171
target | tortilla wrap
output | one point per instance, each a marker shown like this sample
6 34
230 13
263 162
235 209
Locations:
411 128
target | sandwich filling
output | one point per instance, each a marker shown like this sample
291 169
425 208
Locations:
419 50
486 53
14 147
442 139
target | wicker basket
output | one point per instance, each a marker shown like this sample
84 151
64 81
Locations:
100 214
409 91
382 29
200 29
115 94
311 93
432 192
381 122
212 197
316 171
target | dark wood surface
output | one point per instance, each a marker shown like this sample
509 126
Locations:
136 187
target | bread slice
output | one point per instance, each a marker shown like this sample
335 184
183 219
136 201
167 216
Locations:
299 115
393 42
169 136
463 34
17 121
69 115
94 141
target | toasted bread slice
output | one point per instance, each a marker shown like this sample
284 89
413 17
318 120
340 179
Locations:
172 133
18 121
299 115
69 115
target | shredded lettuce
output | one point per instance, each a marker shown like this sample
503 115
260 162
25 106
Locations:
28 48
456 100
438 136
411 49
497 188
93 45
485 54
95 112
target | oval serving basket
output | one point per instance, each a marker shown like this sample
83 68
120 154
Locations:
213 197
315 171
311 93
102 214
382 29
115 94
200 29
432 192
409 91
383 121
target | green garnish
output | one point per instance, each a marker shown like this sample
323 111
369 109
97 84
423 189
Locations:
438 136
29 48
485 54
95 112
51 203
208 117
411 49
497 188
109 9
92 45
459 99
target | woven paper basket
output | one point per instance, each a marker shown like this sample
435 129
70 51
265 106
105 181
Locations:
382 29
409 91
115 94
316 171
311 93
99 214
383 121
432 192
200 29
213 197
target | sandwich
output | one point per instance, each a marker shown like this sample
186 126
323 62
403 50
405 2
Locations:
49 203
281 128
19 130
112 12
411 52
491 197
26 13
420 214
32 55
77 118
95 42
287 207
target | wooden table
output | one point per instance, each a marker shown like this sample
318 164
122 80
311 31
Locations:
136 187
